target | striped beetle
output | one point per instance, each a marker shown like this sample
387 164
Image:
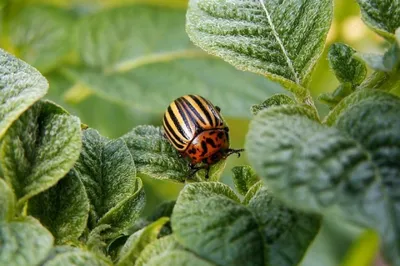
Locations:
195 128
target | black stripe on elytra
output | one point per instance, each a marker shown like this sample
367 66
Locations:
180 107
203 108
170 132
194 111
176 123
211 142
204 147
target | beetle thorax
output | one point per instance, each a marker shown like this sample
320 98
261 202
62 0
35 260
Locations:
208 146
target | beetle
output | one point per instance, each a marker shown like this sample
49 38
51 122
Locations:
196 129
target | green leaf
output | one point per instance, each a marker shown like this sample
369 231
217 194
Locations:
63 209
274 100
41 35
154 156
179 257
123 49
347 68
109 174
138 241
209 220
39 149
20 86
308 165
353 99
363 252
137 88
70 256
122 38
244 177
24 242
277 39
383 16
288 233
320 169
7 202
376 126
389 62
159 248
341 92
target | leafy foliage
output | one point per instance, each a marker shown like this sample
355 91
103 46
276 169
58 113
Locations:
263 37
39 149
210 220
71 196
21 86
108 173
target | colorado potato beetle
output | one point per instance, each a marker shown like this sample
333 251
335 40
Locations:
195 128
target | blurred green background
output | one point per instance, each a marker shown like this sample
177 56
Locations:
118 63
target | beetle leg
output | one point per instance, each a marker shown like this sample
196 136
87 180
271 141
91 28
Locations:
232 151
218 109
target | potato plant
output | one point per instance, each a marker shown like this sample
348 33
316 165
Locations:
71 196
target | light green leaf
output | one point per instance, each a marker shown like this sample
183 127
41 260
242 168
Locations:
109 174
41 35
363 252
244 178
376 126
278 39
209 220
355 98
122 38
154 156
39 149
288 233
24 242
274 100
70 256
63 209
7 202
383 16
159 248
137 88
20 86
347 68
138 241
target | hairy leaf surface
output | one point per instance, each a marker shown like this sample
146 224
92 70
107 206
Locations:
138 241
20 87
347 68
154 156
39 149
279 39
63 209
313 167
383 16
24 242
108 172
209 219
